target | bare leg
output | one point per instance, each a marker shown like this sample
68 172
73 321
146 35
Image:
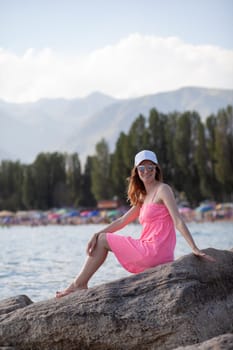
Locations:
90 266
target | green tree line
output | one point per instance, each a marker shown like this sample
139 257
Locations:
196 158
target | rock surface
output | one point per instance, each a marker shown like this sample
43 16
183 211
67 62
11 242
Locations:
14 303
222 342
185 302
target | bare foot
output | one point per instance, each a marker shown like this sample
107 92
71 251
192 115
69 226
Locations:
71 289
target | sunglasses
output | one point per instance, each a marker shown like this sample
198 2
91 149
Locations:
149 168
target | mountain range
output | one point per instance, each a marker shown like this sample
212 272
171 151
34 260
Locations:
76 125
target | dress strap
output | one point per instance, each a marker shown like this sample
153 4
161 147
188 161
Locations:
154 195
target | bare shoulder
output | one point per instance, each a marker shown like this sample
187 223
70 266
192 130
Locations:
165 193
165 188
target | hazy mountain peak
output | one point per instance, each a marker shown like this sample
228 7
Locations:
76 125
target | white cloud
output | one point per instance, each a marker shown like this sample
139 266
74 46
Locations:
136 65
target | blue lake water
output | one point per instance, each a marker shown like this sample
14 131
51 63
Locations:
37 261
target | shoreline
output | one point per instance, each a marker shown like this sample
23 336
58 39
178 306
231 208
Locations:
68 216
101 222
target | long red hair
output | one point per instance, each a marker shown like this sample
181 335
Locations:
136 189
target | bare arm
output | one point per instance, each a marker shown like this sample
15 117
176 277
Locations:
167 196
131 215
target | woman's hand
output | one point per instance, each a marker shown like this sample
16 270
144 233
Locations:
92 244
201 254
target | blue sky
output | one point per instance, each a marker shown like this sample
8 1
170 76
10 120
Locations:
38 35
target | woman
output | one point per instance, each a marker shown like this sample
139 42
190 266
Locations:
153 203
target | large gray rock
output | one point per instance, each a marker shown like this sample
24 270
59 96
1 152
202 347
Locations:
181 303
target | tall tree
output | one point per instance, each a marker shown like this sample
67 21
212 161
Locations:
87 198
224 150
73 179
100 174
170 168
121 167
184 147
201 159
29 189
138 136
156 137
57 179
11 177
49 177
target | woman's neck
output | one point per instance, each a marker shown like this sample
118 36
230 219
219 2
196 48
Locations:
151 190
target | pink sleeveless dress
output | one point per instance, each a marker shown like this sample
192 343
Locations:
156 244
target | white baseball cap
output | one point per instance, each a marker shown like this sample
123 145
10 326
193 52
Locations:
145 155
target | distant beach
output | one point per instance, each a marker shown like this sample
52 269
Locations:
205 212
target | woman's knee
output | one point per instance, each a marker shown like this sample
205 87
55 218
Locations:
102 239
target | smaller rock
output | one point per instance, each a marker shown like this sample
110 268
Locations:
14 303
